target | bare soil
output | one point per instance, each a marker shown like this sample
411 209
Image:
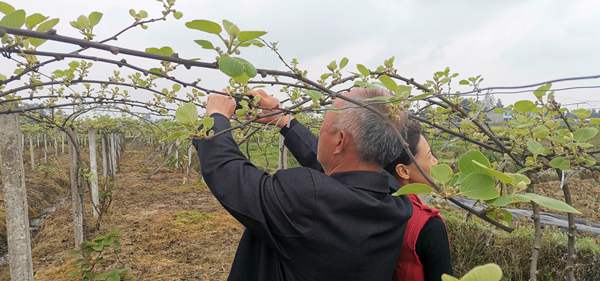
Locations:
170 230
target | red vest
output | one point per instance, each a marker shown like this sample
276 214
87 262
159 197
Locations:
409 267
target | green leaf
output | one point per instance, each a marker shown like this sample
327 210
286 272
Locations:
230 66
176 87
187 114
324 76
466 164
525 106
389 63
595 121
503 200
231 28
142 14
441 172
250 35
94 18
421 96
404 91
479 186
177 15
43 27
332 65
239 69
83 21
363 70
164 51
15 19
488 272
156 70
207 123
519 179
343 62
494 173
76 25
536 148
446 277
315 96
6 8
389 83
463 82
47 25
540 132
205 44
547 202
541 91
204 25
173 135
34 19
585 134
561 163
582 113
413 188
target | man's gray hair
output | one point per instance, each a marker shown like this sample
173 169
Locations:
376 140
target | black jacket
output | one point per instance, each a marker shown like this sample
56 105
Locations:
433 247
302 224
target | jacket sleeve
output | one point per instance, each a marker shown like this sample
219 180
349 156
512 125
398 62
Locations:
259 201
433 249
302 143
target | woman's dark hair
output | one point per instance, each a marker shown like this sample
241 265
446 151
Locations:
412 135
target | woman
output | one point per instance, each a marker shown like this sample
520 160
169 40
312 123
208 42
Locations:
425 253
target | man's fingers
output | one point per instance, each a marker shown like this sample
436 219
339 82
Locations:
258 92
266 101
226 91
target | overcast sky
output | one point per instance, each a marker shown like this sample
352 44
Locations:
508 42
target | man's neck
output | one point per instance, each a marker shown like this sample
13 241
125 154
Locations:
353 166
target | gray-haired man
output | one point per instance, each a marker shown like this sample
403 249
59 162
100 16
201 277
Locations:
333 219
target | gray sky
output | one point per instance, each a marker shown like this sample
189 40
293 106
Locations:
508 42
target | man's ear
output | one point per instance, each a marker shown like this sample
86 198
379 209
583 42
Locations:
341 140
402 171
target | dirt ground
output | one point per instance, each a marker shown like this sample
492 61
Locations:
170 230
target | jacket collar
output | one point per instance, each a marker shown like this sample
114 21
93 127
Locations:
371 181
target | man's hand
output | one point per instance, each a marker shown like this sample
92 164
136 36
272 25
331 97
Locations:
270 106
223 104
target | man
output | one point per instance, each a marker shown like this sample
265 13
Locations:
425 253
304 224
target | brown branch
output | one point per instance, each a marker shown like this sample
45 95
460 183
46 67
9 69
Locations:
114 37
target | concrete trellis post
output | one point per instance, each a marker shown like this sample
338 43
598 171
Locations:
15 199
283 159
93 171
76 196
55 147
31 152
104 157
177 154
113 154
45 149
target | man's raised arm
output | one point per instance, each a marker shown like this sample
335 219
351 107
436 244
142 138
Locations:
256 199
299 140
